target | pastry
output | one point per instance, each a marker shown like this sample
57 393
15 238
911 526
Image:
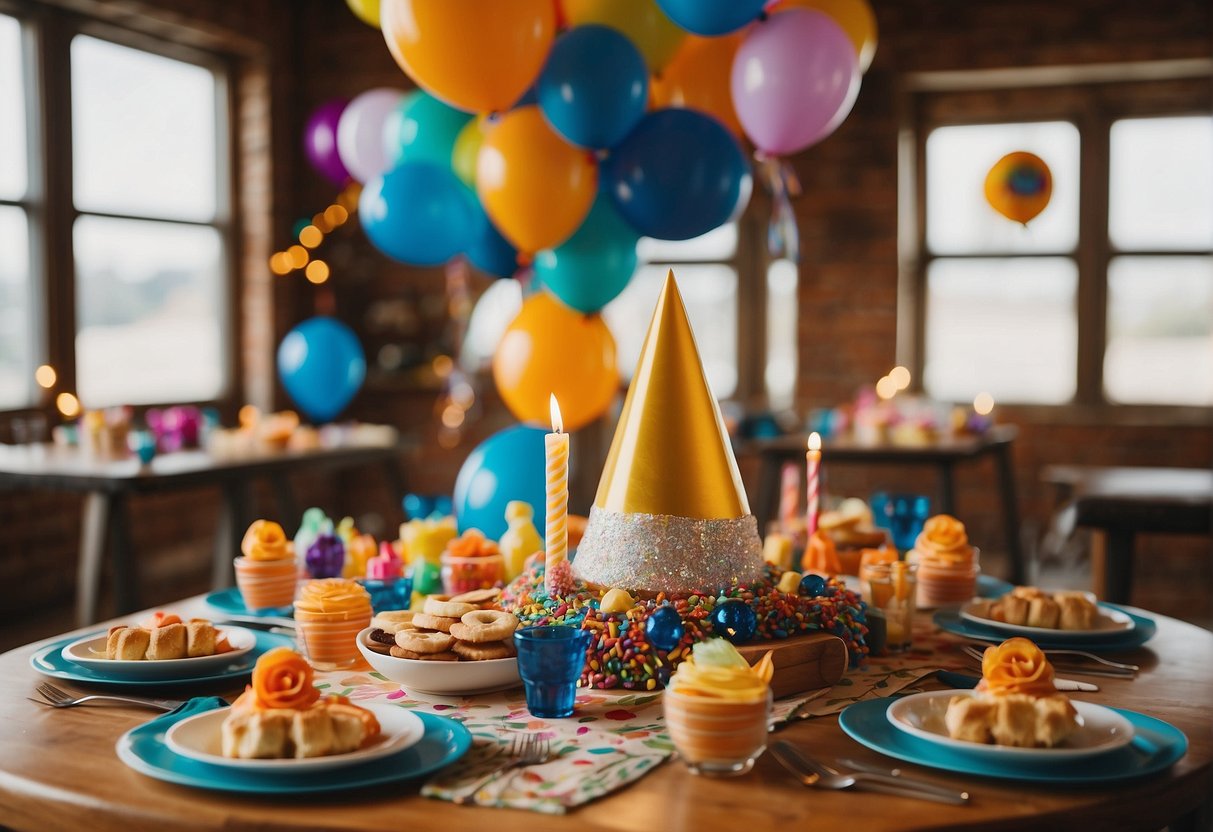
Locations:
1034 607
969 718
1043 612
167 643
129 644
200 638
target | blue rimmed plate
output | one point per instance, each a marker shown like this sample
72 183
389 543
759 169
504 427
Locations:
1143 630
50 661
990 587
144 749
1156 746
231 602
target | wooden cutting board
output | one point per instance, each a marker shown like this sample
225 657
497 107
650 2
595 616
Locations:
802 663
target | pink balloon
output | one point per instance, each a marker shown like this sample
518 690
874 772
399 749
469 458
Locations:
795 78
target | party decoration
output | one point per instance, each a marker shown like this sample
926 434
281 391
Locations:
424 506
594 87
477 55
360 133
795 79
1019 186
550 349
856 19
535 187
642 21
322 366
507 466
594 266
422 129
326 556
521 539
489 251
812 586
712 17
365 10
417 213
678 175
734 620
320 141
466 149
699 79
664 628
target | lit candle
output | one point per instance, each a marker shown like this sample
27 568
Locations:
812 475
789 497
556 445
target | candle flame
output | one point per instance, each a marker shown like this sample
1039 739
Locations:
557 421
814 441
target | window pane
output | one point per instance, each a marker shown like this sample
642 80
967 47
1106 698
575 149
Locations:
1006 326
960 221
1161 183
782 278
14 166
717 244
1160 330
710 295
148 312
144 132
16 311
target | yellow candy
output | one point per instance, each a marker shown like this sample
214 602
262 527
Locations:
617 600
789 582
777 550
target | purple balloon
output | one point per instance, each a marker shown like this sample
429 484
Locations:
795 78
320 141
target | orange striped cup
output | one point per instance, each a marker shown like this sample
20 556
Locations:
716 737
330 640
266 584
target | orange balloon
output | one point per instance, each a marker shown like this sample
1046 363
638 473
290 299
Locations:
1019 186
535 186
698 78
477 55
854 16
550 348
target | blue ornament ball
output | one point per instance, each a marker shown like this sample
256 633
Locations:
812 586
664 628
735 621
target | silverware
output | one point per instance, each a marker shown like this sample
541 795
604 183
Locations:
276 627
1091 656
1109 671
526 750
816 774
57 698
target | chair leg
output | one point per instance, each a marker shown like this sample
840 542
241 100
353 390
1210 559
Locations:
1010 515
1118 588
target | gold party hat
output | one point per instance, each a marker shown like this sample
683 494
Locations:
671 513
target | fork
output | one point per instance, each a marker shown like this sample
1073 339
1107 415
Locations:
814 773
526 750
1114 669
57 698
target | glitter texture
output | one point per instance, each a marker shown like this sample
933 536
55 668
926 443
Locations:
662 553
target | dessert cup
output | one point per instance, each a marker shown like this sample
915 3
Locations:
330 640
941 585
266 584
464 574
717 737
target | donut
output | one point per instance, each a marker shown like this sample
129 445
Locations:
446 609
482 652
433 622
419 642
393 621
478 597
482 626
444 656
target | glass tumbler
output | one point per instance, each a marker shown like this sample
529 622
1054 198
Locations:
550 661
891 588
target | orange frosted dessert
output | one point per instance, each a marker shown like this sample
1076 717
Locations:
330 613
947 564
266 571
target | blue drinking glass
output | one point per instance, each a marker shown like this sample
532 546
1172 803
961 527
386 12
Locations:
910 512
550 661
395 594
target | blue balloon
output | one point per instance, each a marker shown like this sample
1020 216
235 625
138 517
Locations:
417 213
678 175
594 87
594 265
712 17
664 628
422 129
509 465
489 251
735 621
322 366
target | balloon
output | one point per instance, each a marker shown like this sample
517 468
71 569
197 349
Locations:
466 149
698 79
366 10
856 19
712 17
417 213
534 186
489 251
360 132
550 349
680 174
1019 186
794 80
477 55
507 466
642 21
596 263
594 87
422 129
322 366
320 141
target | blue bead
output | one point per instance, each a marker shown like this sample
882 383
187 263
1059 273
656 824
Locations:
735 621
664 628
812 586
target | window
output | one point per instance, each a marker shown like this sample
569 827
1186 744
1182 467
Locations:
18 349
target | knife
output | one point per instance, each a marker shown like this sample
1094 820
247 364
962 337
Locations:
964 680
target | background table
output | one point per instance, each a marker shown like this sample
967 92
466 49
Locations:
943 454
58 767
109 483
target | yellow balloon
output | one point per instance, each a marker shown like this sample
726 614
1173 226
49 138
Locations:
466 149
536 187
856 19
646 25
552 349
1019 186
698 78
477 55
366 10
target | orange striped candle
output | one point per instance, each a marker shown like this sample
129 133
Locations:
556 445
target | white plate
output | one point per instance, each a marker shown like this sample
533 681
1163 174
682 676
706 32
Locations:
1109 623
200 738
922 715
90 652
443 678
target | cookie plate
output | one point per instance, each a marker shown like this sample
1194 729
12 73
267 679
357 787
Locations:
443 678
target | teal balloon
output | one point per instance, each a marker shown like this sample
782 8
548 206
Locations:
595 264
422 129
322 366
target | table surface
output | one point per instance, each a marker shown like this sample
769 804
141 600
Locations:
1143 499
57 767
846 447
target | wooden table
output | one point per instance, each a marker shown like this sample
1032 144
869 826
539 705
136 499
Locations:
1124 502
108 484
943 454
58 771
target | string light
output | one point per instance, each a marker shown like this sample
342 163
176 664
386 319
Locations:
317 271
280 263
68 405
983 404
886 388
442 365
900 377
310 236
336 215
298 255
321 222
46 376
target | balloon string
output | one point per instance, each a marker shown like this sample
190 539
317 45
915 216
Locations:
783 235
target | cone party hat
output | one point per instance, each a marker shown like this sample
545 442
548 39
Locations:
671 513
